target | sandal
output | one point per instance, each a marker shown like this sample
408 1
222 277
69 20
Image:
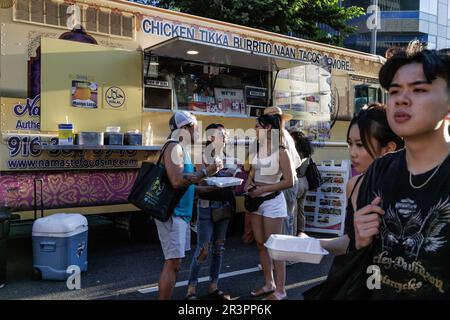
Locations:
276 296
219 295
261 292
191 296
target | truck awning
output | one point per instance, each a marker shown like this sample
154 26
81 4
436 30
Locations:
209 53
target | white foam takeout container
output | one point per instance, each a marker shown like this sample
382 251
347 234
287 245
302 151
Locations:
223 182
290 248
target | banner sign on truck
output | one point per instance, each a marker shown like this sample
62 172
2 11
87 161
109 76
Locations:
170 29
21 141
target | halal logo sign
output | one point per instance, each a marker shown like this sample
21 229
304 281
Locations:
115 97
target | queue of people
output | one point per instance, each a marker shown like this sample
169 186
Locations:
398 204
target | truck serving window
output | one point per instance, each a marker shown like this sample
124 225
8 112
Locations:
188 85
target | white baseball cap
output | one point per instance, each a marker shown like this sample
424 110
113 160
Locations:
181 119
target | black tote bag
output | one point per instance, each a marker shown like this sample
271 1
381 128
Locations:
152 191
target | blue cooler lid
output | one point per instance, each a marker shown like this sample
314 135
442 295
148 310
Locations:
60 225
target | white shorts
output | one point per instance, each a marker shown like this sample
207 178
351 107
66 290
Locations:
175 237
273 208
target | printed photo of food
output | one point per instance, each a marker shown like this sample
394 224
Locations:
84 94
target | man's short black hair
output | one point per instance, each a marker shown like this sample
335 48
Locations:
435 63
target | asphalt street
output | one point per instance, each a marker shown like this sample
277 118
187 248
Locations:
124 268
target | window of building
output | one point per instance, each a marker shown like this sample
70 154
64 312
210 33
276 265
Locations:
103 21
127 26
63 14
429 6
55 13
442 14
51 12
441 43
23 10
448 13
433 29
412 5
91 19
386 5
116 23
37 11
442 31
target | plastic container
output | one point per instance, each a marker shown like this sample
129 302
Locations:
223 182
290 248
113 138
133 139
59 241
66 135
90 138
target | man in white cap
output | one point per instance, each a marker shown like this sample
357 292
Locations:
291 193
174 234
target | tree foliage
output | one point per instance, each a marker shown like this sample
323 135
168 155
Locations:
293 17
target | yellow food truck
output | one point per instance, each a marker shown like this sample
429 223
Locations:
98 68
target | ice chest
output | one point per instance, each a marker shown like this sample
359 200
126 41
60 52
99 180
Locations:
59 241
290 248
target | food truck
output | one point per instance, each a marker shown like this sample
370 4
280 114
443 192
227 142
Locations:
87 89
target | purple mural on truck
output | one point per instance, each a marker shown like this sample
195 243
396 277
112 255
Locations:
66 189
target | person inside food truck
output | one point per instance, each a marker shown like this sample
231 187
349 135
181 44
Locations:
174 234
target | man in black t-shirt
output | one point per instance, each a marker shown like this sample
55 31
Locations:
404 200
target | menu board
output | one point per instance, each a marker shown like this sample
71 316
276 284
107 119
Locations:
325 208
230 100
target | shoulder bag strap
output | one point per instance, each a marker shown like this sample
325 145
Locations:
164 149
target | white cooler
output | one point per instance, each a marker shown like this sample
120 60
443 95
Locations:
59 241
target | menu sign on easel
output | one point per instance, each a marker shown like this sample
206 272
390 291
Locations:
325 208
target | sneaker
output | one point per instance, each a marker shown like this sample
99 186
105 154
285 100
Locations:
259 266
2 285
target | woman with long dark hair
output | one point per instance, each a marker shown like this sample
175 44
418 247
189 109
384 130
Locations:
266 202
369 137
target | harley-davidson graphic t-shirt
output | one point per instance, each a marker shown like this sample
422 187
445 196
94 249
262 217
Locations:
412 250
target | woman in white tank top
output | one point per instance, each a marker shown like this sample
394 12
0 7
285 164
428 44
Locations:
271 173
